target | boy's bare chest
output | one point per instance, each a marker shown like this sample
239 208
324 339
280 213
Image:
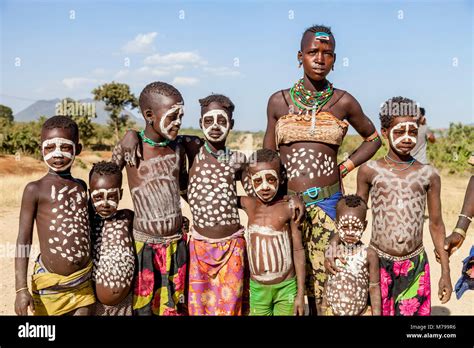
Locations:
157 169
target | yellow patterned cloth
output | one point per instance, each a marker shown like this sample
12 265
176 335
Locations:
317 230
55 294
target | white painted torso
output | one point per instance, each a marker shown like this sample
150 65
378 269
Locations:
269 252
212 193
347 290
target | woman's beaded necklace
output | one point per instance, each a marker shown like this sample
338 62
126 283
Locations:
392 167
309 100
153 143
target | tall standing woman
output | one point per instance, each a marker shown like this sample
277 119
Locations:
307 124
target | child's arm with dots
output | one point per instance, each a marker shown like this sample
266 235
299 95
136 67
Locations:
374 282
438 235
130 150
299 262
29 203
119 157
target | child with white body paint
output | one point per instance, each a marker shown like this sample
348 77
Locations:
155 184
217 267
112 245
274 242
347 290
399 188
61 280
218 284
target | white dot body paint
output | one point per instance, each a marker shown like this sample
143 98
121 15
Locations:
70 223
225 130
113 254
347 290
355 227
213 197
269 252
405 126
166 129
58 153
304 161
262 174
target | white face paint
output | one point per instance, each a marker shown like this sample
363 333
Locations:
265 185
105 193
350 226
58 142
403 126
165 130
215 125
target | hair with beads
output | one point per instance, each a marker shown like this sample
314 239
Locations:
317 28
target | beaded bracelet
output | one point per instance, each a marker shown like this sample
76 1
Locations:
374 284
373 137
21 289
346 167
460 231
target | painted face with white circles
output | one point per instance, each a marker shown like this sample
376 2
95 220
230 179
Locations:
350 226
403 133
170 122
215 125
58 153
265 184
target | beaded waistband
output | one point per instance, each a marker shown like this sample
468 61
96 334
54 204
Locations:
146 238
389 257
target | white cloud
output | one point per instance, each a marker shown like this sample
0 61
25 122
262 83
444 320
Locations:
122 73
175 58
222 71
79 82
142 43
185 81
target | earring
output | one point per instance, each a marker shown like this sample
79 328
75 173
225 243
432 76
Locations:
300 63
332 68
150 122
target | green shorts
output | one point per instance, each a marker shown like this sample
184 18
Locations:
276 299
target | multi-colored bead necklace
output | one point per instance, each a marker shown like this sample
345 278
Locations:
308 100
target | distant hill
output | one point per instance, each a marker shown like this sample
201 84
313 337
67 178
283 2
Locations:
48 108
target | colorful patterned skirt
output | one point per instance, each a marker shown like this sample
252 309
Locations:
217 276
317 230
160 278
405 286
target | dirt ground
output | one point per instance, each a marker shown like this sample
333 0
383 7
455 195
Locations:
453 189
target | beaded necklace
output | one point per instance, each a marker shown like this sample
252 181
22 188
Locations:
218 155
153 143
308 100
392 167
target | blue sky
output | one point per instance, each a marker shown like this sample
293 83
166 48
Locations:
246 50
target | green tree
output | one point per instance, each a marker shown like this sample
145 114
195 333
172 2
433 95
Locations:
82 114
117 97
6 113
